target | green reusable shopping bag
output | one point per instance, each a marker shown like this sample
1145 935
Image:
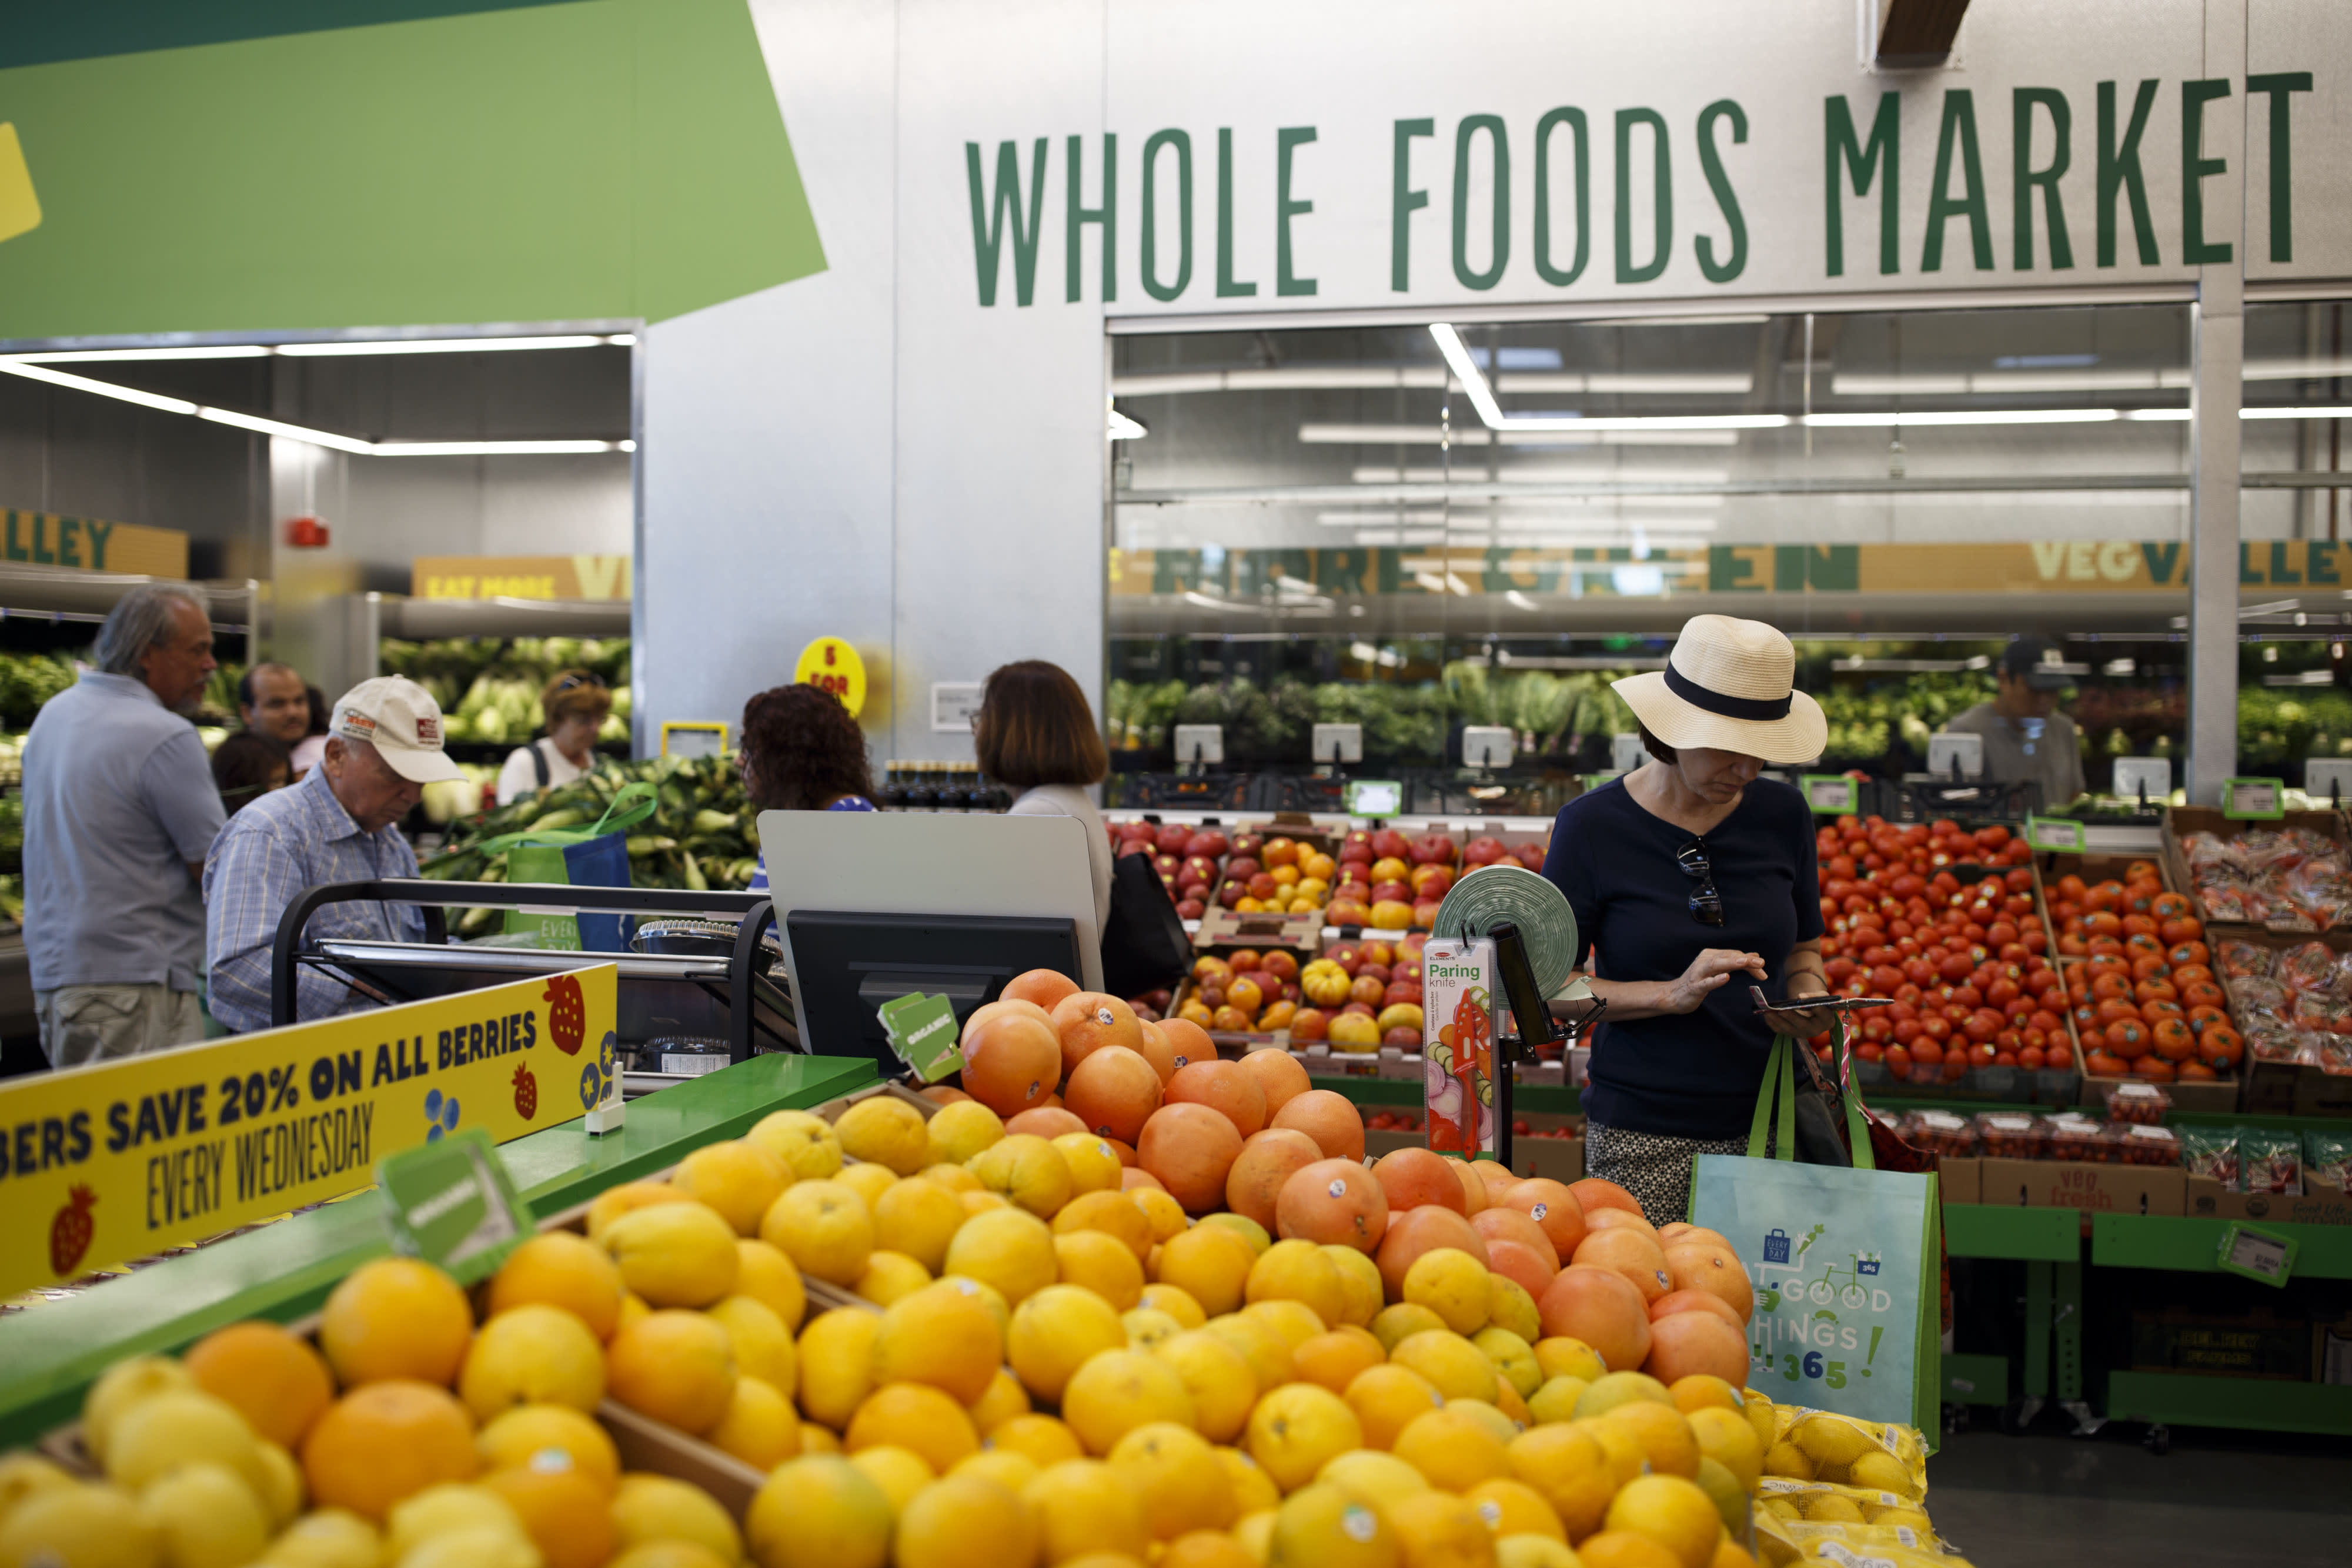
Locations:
1846 1263
595 856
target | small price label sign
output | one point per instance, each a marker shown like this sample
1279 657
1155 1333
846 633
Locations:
2259 1255
2253 800
922 1031
450 1202
1832 795
2055 834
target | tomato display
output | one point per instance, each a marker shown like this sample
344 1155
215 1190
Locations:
2138 978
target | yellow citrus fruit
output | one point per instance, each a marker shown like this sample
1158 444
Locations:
1665 1434
1701 1391
275 1381
478 1547
806 1143
1555 1399
532 1355
1617 1389
1299 1271
1176 1301
1725 1436
1438 1529
648 1507
1094 1164
1400 1321
1101 1263
1116 1391
1376 1477
1004 1400
1388 1398
1055 1331
1043 1440
675 1366
1161 1211
158 1435
550 1437
837 1363
957 1132
899 1472
445 1509
1147 1328
327 1537
763 1346
738 1178
1453 1449
1455 1367
965 1521
1672 1512
208 1515
634 1309
979 1200
122 1385
1451 1283
761 1428
567 1517
668 1555
562 1269
918 1218
74 1525
1083 1507
1828 1508
1730 1499
1207 1549
868 1179
1359 1284
1217 1377
824 1228
281 1483
1109 1213
1027 1170
917 1416
986 1294
889 1276
1011 1471
1324 1526
954 1177
1509 1506
885 1131
1209 1263
1336 1359
1627 1457
1254 1534
1508 1306
1267 1350
1254 1489
1526 1552
1787 1460
1008 1250
1297 1429
1882 1472
819 1512
1561 1356
1514 1358
24 1475
1241 1224
675 1254
944 1335
384 1440
1491 1417
627 1198
396 1318
1176 1478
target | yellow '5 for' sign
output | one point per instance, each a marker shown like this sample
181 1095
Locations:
834 665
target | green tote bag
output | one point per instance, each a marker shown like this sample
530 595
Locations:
1845 1263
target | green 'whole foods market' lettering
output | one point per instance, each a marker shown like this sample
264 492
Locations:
1860 153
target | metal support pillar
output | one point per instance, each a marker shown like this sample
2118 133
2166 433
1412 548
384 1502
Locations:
2035 1387
2216 361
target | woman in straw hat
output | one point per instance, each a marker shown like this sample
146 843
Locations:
1692 879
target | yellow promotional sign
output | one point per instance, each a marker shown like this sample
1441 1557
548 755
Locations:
102 1164
598 576
87 544
831 664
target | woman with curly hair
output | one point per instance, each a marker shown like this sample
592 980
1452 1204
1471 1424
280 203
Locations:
801 752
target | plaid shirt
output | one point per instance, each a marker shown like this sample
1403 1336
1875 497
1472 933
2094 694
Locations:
271 852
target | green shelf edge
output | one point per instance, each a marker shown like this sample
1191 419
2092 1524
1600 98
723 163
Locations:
1992 1230
2194 1246
51 1354
2252 1404
1975 1379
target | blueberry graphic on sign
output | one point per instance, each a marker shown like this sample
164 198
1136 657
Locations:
441 1111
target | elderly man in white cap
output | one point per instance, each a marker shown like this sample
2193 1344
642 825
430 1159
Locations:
384 747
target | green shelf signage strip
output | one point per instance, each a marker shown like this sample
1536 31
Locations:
2261 1405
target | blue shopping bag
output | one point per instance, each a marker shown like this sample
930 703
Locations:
1845 1263
596 856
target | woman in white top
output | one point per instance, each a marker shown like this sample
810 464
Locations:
1034 733
576 703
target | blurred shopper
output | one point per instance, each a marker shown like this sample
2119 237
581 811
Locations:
337 825
119 812
801 752
313 744
245 767
576 703
1035 734
275 705
2025 736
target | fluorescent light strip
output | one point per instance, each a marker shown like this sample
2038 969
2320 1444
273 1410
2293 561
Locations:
85 356
323 351
103 389
1126 427
1966 416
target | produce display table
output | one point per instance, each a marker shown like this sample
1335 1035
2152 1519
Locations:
49 1356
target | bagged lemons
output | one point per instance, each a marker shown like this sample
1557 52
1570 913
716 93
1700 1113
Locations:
1823 1446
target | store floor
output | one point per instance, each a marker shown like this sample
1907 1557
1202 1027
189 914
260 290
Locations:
2219 1499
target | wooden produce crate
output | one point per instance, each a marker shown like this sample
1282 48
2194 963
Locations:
2281 1088
2181 822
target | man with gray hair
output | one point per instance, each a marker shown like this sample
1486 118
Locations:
120 813
384 746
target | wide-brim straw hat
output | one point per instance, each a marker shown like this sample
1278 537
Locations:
1729 685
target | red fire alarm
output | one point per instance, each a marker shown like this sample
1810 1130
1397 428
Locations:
306 533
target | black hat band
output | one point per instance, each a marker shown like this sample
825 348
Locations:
1762 709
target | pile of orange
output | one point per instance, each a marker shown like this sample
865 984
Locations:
2142 993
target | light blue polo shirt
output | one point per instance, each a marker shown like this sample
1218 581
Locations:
119 798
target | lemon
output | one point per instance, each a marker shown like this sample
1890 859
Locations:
961 1131
886 1131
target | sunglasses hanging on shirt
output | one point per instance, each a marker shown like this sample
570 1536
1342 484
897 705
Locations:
1705 903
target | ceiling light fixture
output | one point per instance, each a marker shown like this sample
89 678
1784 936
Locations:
1125 427
329 350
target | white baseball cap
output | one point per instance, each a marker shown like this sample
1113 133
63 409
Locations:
402 721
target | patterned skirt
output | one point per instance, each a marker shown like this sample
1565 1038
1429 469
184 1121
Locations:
1655 1167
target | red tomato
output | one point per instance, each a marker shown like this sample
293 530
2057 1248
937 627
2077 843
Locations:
2128 1038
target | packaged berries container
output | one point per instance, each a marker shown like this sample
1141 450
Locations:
2010 1135
2137 1144
2273 1161
2211 1153
2076 1138
1939 1133
2141 1104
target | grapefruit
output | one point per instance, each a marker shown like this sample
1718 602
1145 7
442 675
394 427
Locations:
1011 1062
1415 1177
1113 1092
1224 1088
1268 1159
1333 1202
1601 1307
1331 1120
1420 1230
1190 1149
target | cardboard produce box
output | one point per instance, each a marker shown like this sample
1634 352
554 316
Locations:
2206 1199
2075 1184
2260 1344
2279 1088
2220 1094
1960 1178
2183 820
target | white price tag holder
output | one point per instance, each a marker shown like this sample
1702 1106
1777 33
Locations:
2145 779
1338 743
2258 1255
2328 779
2253 800
1955 752
2056 835
954 705
1200 745
1832 794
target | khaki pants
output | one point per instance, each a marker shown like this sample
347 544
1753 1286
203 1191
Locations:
81 1024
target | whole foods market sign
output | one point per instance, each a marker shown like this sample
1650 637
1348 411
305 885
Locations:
1306 156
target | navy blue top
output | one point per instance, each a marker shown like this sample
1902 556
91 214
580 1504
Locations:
1689 1075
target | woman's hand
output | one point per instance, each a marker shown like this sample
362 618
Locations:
1708 974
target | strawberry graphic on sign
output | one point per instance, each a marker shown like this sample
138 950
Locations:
71 1231
526 1088
567 1014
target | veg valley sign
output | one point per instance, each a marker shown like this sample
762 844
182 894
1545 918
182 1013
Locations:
1307 155
86 544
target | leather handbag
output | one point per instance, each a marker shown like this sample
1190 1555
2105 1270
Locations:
1143 943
